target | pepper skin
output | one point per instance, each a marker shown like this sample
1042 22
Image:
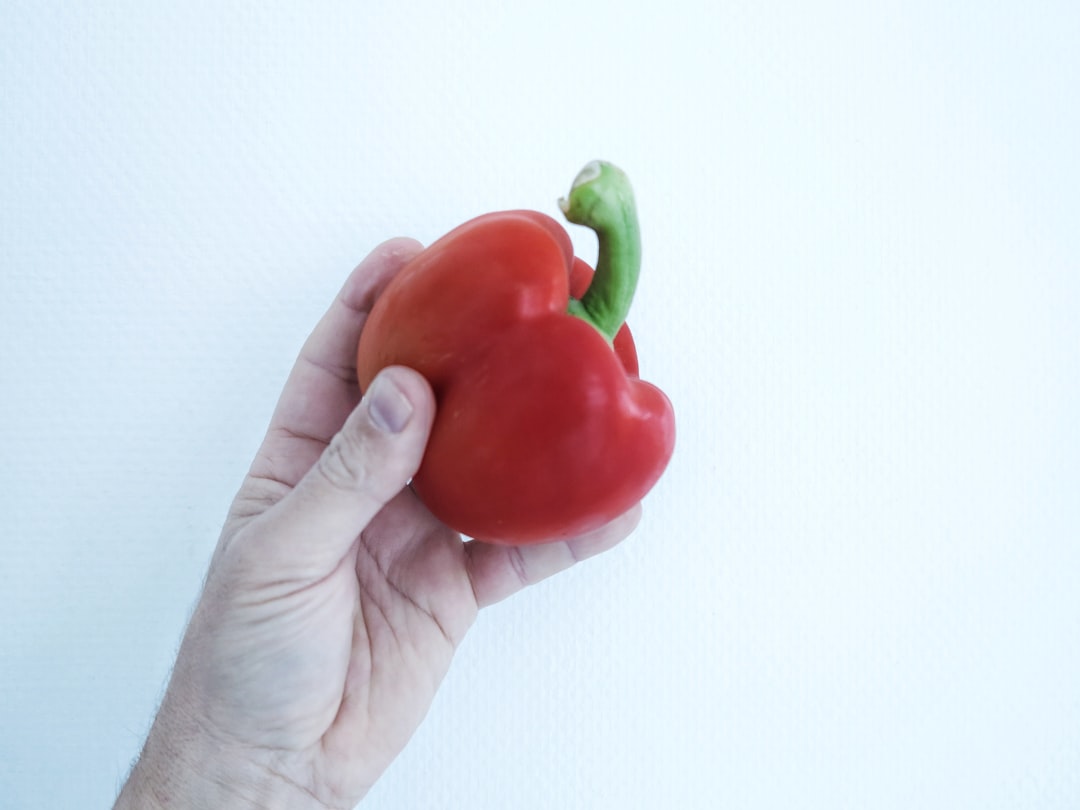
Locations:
543 430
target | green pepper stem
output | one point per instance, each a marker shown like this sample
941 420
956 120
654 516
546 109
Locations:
601 199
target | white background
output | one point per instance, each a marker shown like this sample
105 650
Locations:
857 584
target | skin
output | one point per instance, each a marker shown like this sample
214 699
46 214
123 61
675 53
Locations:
334 601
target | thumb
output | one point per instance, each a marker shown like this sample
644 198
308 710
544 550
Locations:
367 463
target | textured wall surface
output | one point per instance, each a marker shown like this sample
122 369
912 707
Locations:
856 585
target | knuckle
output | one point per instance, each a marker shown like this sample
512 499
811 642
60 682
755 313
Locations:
342 464
518 566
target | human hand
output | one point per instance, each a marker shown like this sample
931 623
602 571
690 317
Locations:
334 600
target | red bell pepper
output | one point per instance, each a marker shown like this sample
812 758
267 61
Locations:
543 429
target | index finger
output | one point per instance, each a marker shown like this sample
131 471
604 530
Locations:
322 389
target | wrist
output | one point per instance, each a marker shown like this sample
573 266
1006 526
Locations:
189 770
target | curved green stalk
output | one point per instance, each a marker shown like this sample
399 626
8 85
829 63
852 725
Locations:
601 199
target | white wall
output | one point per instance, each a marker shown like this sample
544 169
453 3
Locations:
855 587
